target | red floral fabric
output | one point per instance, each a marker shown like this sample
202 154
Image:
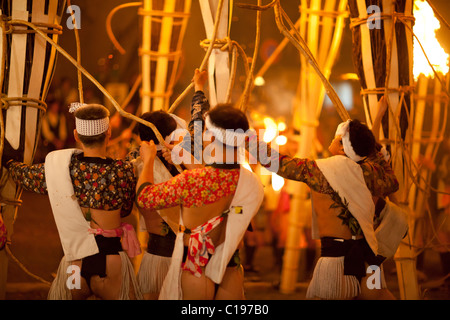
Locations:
191 188
200 246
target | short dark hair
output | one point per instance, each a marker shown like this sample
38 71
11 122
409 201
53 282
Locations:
92 112
228 117
161 120
361 138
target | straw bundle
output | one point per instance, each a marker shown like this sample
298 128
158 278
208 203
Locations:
383 58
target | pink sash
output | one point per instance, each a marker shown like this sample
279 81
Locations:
130 242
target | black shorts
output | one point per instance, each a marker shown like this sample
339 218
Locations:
234 261
161 245
96 264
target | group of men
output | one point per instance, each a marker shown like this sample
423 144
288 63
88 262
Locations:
197 218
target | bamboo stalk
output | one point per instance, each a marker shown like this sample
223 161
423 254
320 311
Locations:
232 75
300 44
3 256
187 8
162 61
249 81
145 57
268 63
109 31
77 41
335 45
418 117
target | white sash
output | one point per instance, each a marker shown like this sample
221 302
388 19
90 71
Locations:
346 177
392 229
72 227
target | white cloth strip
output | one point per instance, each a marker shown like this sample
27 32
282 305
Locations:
91 127
340 168
181 124
344 132
229 137
72 227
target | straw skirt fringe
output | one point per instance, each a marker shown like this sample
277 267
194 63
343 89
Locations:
330 283
60 291
152 272
128 279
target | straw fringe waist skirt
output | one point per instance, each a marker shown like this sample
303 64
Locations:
60 291
152 272
329 282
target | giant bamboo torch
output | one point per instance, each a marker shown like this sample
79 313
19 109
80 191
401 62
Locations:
27 65
430 101
383 57
428 117
321 26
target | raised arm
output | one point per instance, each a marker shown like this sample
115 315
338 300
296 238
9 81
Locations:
379 176
199 107
200 104
292 168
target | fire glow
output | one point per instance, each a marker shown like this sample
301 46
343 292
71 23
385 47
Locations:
425 28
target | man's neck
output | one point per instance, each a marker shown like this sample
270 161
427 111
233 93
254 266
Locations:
97 152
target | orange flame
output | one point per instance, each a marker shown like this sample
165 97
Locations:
425 30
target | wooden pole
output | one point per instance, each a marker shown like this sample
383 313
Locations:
162 60
77 41
145 57
249 83
175 71
429 122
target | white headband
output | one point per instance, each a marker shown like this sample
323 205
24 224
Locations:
228 137
343 131
89 127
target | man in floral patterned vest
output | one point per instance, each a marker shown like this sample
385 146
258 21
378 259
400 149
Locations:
345 189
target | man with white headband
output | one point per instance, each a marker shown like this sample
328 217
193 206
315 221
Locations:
343 188
216 206
159 225
89 194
